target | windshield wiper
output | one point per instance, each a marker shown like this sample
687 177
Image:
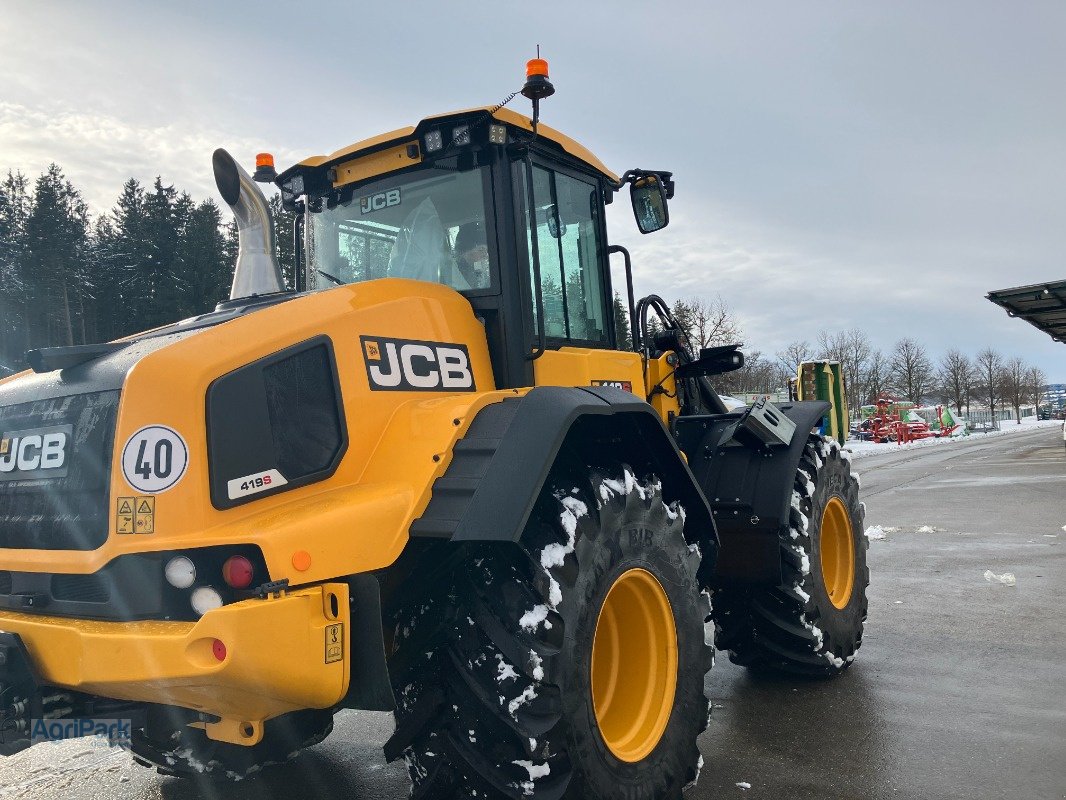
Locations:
333 278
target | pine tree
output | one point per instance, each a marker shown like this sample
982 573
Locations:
129 257
57 245
207 272
14 209
284 222
622 333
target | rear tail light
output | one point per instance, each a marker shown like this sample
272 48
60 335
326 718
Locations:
238 572
218 647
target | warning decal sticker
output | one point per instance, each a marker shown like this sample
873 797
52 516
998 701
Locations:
334 643
135 515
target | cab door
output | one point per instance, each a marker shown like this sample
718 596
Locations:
567 235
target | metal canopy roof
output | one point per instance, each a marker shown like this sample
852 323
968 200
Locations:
1042 305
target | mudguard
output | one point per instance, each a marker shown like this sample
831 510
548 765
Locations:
749 488
499 467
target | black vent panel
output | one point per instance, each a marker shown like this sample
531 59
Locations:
81 588
282 413
69 511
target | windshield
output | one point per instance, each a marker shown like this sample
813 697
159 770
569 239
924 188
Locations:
428 226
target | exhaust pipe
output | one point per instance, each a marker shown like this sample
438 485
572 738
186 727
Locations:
257 271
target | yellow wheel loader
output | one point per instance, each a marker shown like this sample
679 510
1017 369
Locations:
427 480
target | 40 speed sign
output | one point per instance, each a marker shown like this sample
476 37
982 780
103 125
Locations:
154 459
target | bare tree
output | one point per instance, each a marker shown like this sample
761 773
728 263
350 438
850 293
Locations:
989 365
911 369
706 324
955 375
791 357
757 376
852 349
877 376
1035 380
1014 386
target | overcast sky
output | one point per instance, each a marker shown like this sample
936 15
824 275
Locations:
838 165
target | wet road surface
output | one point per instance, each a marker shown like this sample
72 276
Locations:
959 690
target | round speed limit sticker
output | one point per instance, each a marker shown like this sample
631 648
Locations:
154 459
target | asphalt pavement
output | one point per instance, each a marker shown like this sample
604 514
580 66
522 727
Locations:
959 690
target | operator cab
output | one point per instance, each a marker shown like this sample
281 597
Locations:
511 217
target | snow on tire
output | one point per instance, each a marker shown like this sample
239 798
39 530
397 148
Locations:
493 676
811 623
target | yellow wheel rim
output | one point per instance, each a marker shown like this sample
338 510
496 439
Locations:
838 553
634 665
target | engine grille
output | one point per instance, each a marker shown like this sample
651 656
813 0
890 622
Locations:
68 512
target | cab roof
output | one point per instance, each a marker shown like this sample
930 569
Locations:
504 115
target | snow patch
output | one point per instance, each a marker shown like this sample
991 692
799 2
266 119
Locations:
528 695
818 636
699 766
505 672
876 532
744 785
537 664
609 487
806 597
1007 578
535 770
534 618
835 660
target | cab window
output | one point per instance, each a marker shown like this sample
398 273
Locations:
429 225
567 232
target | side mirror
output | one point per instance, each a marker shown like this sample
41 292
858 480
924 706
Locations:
648 195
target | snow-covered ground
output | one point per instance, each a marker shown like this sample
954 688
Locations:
864 449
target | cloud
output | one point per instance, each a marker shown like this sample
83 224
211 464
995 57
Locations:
99 151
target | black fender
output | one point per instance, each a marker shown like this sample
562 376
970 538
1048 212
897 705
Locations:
749 488
499 466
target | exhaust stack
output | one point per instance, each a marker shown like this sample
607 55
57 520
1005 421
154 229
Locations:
257 271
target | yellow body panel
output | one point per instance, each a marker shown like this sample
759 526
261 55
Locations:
579 366
506 115
379 163
361 514
173 662
662 388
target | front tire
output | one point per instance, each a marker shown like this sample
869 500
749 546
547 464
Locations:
811 623
569 665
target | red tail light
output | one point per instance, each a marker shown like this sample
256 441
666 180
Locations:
238 572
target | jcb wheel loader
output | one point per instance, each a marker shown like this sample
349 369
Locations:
428 480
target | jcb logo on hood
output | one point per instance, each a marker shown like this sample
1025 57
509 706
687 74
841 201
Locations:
403 365
34 454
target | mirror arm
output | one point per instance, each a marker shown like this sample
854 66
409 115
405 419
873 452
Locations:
630 175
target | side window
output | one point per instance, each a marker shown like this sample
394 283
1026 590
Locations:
567 231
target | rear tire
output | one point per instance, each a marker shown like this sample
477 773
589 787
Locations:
811 623
494 673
